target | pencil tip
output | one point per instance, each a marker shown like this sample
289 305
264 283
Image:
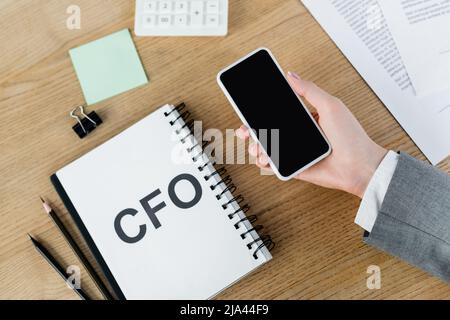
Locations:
30 237
46 206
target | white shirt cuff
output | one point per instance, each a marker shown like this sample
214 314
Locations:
376 190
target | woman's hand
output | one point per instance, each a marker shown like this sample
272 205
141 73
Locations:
355 157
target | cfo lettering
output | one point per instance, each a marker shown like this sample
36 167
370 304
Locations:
151 210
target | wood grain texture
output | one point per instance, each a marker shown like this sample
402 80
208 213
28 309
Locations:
319 253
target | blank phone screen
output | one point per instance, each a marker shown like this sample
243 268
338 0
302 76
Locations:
271 108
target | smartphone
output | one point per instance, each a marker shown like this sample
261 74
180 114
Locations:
265 102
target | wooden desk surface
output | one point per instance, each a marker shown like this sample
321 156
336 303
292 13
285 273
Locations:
319 253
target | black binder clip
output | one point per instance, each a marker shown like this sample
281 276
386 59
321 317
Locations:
86 124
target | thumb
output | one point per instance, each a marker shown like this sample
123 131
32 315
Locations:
317 97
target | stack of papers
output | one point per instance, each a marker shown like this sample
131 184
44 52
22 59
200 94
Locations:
361 31
421 30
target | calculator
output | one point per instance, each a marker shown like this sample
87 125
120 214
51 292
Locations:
181 18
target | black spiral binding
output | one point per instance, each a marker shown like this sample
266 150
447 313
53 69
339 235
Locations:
226 181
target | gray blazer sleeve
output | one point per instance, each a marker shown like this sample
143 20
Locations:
414 220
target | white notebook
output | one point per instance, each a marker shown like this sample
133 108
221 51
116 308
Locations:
144 203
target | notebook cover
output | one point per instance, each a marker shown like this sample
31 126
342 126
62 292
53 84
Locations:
101 260
87 237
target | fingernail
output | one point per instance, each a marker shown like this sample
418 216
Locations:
294 75
263 160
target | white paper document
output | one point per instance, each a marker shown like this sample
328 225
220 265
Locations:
359 29
421 30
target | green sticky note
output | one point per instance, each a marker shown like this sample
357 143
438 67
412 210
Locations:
108 66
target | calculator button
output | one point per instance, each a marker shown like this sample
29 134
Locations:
164 20
181 20
212 6
181 7
150 6
165 6
197 9
212 20
149 21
